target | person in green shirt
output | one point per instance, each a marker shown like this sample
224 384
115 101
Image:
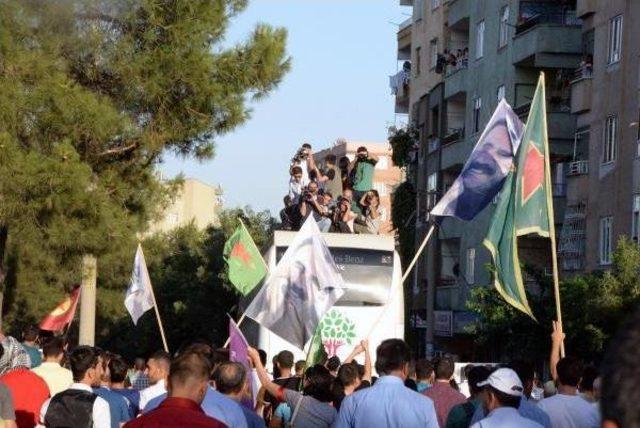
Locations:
362 169
29 338
460 415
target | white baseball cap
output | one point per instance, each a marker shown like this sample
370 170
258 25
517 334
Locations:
505 380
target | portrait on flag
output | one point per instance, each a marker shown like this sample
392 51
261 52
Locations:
484 173
306 283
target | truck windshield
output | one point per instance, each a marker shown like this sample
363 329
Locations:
368 274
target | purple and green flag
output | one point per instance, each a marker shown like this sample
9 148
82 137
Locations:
238 347
525 205
246 265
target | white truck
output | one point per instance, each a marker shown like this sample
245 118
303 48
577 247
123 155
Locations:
372 305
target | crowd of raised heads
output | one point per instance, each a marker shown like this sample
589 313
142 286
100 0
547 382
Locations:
338 193
44 384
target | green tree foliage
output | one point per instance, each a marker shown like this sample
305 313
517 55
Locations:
94 93
402 141
188 274
593 308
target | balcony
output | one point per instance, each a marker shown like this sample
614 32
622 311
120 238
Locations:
404 40
406 2
459 13
561 124
580 167
400 87
586 7
456 82
581 89
548 41
453 136
454 155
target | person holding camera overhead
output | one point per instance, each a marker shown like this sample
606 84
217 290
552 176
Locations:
372 215
301 159
362 169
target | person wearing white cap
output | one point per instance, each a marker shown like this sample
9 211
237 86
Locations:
503 391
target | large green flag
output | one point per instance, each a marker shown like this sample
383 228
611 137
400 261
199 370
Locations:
525 205
246 265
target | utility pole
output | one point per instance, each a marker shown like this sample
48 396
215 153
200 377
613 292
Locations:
88 301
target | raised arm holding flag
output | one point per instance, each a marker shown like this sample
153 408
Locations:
525 207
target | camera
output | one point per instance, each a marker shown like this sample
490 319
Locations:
363 156
300 155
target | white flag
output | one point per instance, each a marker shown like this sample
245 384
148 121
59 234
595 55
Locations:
139 298
302 288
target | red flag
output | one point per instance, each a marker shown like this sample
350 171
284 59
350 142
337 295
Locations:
63 313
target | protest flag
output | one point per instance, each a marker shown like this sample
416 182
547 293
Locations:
485 171
140 298
246 265
525 207
63 314
238 347
302 288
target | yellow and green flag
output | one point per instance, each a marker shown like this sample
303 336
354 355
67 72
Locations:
246 265
525 205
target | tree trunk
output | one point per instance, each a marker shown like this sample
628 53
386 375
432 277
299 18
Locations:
88 301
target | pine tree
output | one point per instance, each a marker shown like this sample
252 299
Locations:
93 94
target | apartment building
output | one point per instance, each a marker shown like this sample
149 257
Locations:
487 50
386 175
603 194
195 202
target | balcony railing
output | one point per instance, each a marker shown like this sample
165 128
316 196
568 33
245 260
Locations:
579 167
453 136
585 71
561 18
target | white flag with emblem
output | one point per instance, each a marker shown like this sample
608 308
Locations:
139 298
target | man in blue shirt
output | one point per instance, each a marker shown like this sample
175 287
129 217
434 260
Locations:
231 380
388 403
118 372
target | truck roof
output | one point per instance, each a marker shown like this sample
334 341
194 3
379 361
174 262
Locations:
346 240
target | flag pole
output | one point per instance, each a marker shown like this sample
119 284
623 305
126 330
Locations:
155 309
551 217
404 277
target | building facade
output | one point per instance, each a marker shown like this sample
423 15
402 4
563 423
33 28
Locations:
486 50
603 194
195 202
386 175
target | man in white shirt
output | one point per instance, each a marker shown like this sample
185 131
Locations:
78 405
567 409
503 391
157 370
57 377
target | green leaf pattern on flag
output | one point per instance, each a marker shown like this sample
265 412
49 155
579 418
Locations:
336 330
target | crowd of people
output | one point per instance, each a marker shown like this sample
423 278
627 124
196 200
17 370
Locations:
338 194
45 385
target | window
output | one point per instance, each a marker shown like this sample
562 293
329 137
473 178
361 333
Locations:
381 188
610 136
606 226
615 39
470 270
501 92
433 53
477 106
504 26
418 60
635 224
480 40
435 4
432 182
383 162
418 10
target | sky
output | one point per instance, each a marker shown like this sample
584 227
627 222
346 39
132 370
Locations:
342 53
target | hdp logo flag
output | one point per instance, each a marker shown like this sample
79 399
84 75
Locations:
525 205
485 171
246 265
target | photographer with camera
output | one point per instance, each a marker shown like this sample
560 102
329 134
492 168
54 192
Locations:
329 178
372 215
343 217
362 169
312 203
345 174
302 159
